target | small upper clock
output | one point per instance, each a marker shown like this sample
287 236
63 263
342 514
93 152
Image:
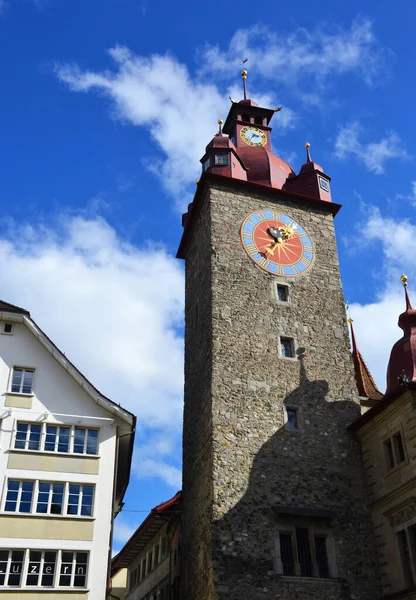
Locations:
277 243
253 136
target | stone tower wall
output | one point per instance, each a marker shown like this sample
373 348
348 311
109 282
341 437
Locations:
253 462
197 429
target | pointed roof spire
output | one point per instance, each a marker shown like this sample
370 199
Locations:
367 387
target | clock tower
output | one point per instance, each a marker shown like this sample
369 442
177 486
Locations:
273 483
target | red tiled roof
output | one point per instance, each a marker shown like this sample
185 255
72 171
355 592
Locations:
366 385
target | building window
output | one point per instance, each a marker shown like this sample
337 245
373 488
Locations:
282 293
324 184
7 328
157 554
19 496
22 380
221 159
54 438
287 347
49 568
164 547
407 548
50 498
394 450
43 497
207 163
80 500
292 416
303 553
28 436
57 438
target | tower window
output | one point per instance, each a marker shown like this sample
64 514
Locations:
324 184
287 347
304 553
221 159
259 120
207 163
246 118
282 293
8 328
292 418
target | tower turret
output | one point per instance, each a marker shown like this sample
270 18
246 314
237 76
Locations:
402 363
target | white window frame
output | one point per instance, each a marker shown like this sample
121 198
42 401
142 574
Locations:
43 438
312 533
57 574
27 438
25 370
391 438
35 499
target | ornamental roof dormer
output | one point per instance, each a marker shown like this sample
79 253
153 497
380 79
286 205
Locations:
402 364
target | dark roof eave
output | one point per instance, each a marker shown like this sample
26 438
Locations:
331 207
381 405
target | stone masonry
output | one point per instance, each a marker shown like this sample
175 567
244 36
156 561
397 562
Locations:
243 468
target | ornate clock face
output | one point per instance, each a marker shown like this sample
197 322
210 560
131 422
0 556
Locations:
277 243
253 136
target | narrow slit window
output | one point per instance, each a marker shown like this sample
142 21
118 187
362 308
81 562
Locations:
399 448
388 451
282 293
304 552
292 418
286 554
287 347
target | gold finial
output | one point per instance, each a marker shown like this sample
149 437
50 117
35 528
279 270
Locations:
220 121
197 181
244 76
308 154
350 321
404 280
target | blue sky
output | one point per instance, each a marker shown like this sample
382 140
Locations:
105 109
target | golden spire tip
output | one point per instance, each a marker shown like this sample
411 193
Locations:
243 73
404 280
307 145
220 121
350 321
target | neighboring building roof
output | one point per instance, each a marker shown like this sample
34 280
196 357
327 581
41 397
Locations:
10 312
367 387
382 405
146 531
6 307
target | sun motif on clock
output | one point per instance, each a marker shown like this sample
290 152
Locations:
277 243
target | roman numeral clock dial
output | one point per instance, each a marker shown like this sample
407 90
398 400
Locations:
277 243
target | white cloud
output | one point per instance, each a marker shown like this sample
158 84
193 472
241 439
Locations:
327 50
376 323
373 155
122 531
114 310
159 94
410 197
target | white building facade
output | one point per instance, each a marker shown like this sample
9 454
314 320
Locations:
65 456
